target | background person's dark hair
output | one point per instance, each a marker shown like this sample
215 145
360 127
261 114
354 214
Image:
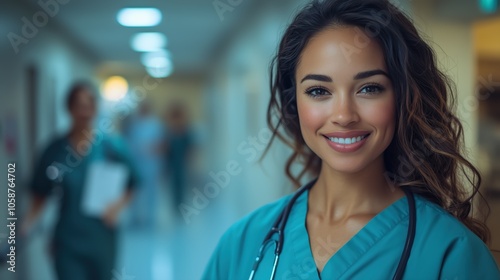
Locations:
425 154
75 89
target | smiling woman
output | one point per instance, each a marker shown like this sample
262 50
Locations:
359 93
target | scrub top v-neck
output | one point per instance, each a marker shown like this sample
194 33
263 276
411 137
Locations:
443 247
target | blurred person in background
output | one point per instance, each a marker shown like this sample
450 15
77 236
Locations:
357 94
178 151
143 132
84 245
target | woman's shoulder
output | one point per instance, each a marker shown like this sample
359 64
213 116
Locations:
54 145
113 146
437 219
259 220
242 241
57 141
442 236
114 141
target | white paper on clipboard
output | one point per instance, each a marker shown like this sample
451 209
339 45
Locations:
104 185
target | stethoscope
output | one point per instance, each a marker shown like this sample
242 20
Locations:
279 229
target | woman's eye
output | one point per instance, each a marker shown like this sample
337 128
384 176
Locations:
316 92
371 89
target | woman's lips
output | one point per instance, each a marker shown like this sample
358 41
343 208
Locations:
340 145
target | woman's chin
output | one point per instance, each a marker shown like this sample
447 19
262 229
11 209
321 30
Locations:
83 124
345 168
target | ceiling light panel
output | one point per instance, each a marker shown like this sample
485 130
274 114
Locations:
148 42
139 17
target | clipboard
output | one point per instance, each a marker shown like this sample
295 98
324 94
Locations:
104 185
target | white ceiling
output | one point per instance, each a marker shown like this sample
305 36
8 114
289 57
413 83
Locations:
193 28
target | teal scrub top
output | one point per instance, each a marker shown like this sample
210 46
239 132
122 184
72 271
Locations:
60 166
443 247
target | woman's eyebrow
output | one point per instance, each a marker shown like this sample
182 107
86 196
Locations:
367 74
359 76
317 77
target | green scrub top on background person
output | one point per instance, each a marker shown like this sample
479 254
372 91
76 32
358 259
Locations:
84 246
443 247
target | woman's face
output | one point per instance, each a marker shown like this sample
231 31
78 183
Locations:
83 108
345 99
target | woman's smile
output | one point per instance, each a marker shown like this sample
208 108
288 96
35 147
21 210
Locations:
347 145
347 141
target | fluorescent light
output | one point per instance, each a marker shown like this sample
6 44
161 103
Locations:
115 88
159 72
158 64
159 58
148 41
138 17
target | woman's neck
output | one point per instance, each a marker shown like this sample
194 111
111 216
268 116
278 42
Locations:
338 196
77 134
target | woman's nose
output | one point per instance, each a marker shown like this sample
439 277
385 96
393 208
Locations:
344 111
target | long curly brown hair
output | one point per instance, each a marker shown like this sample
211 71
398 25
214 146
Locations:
426 154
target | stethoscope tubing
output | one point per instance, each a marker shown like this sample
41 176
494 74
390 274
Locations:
280 223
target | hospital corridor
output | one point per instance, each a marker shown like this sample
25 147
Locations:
133 134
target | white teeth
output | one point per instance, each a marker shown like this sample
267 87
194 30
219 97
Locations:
346 141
